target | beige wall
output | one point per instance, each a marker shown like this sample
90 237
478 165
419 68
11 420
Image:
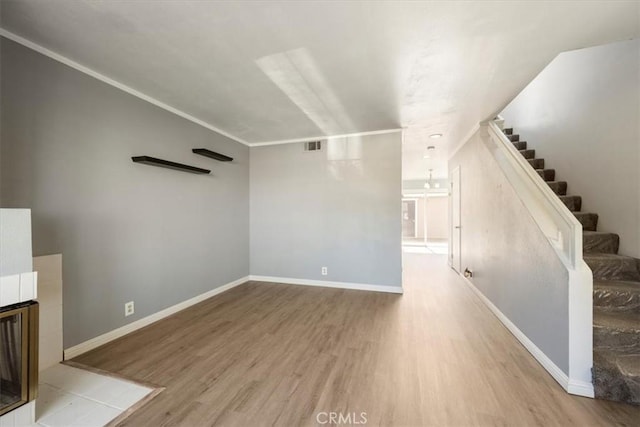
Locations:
432 217
49 268
437 211
420 217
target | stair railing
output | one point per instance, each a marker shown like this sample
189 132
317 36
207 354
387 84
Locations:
559 225
564 233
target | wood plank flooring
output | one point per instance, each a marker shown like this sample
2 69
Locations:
271 354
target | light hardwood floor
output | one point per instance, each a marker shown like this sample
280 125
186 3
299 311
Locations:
271 354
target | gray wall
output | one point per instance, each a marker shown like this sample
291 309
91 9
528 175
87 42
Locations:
582 115
127 231
514 265
338 208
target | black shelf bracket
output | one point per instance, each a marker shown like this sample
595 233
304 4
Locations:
212 154
148 160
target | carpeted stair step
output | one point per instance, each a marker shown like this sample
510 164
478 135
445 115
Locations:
536 163
558 187
520 145
613 267
547 174
616 331
528 154
617 296
574 203
616 376
600 242
588 220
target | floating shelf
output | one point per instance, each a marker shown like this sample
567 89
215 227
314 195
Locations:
212 154
148 160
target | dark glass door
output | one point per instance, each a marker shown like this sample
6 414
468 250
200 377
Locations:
13 358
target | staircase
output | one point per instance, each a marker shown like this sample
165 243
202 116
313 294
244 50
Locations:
616 295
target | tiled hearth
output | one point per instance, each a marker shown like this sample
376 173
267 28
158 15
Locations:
18 288
69 396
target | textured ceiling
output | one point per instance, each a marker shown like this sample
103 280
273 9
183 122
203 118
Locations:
269 71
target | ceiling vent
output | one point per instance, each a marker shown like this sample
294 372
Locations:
313 146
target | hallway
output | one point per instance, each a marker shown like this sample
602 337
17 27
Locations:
271 354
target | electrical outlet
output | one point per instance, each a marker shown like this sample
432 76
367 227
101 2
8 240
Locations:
128 308
324 271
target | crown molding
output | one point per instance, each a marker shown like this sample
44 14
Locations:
131 91
324 137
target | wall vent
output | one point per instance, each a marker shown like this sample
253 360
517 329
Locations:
313 146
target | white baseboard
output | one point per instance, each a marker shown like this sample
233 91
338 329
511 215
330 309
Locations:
329 284
579 388
83 347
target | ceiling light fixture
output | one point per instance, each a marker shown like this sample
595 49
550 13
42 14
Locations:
431 147
435 135
426 156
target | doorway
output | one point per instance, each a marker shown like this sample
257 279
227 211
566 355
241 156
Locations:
409 215
430 234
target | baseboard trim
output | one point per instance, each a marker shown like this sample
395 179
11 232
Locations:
329 284
88 345
579 388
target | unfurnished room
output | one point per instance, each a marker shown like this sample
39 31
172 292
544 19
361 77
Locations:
319 213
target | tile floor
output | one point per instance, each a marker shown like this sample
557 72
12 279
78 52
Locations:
71 396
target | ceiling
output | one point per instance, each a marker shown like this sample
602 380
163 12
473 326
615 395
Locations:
273 71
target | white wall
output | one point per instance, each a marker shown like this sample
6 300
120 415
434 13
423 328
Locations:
339 208
582 115
437 217
513 263
15 241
